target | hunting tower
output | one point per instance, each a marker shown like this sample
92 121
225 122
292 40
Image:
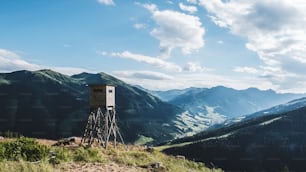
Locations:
102 96
101 124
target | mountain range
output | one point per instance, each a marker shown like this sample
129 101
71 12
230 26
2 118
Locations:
48 104
211 106
270 140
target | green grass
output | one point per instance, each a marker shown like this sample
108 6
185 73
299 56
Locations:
25 166
143 140
88 155
141 157
167 146
25 154
23 149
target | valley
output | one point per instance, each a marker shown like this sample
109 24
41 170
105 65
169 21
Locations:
220 105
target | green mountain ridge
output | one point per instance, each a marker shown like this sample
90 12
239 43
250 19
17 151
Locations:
48 104
266 143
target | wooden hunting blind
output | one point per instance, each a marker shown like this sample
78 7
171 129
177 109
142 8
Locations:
101 124
102 96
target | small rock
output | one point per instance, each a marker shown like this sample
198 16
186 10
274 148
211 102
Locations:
149 149
180 157
156 165
66 141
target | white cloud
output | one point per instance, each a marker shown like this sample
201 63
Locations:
185 80
176 30
211 80
188 8
275 30
10 61
246 69
106 2
194 75
139 26
150 7
156 62
8 54
279 79
194 67
143 75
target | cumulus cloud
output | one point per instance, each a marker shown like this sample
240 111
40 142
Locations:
147 75
10 61
156 62
106 2
188 8
275 30
176 30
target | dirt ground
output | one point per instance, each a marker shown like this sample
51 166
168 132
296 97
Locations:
46 142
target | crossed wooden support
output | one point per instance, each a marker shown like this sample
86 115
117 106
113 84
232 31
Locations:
102 126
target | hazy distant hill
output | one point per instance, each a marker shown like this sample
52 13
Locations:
170 94
217 104
49 104
268 142
282 108
230 102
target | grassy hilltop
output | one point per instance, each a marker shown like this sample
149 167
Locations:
28 154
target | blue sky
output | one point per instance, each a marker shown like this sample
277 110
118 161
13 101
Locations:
161 45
